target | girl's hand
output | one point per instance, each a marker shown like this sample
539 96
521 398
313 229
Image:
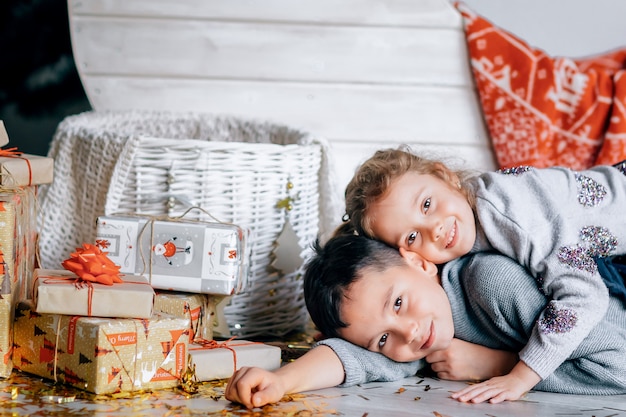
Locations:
510 387
464 361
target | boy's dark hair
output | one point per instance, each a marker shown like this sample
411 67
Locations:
340 262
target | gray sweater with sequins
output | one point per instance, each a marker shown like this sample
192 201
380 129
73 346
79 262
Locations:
495 303
554 221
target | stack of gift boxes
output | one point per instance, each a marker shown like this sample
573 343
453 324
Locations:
134 310
19 177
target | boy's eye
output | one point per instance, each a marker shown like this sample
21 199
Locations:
397 304
411 238
426 205
382 340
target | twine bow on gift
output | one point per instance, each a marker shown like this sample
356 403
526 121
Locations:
90 264
214 344
14 153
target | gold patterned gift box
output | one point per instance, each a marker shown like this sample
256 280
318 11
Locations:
25 200
6 328
61 292
101 355
8 286
199 308
17 242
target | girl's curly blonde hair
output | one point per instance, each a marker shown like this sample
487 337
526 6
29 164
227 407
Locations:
372 179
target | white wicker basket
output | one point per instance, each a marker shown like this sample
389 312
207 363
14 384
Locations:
163 163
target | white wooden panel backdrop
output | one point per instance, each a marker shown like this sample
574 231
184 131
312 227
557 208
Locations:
365 74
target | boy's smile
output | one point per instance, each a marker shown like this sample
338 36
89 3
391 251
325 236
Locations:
402 312
424 214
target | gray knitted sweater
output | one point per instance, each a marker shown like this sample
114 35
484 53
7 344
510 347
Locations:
496 303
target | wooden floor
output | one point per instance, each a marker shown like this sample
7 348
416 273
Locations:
415 396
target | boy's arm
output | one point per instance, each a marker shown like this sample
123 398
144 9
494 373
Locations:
254 387
361 365
330 363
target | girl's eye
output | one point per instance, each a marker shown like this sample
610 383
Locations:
397 304
382 340
411 238
426 205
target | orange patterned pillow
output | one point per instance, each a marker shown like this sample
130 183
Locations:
546 111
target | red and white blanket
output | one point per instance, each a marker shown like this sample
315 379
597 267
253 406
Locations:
542 110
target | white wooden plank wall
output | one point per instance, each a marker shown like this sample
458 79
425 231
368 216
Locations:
365 74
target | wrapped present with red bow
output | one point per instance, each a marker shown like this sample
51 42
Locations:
92 286
178 254
218 360
102 355
20 169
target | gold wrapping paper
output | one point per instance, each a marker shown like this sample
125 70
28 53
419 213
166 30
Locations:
25 170
8 235
58 292
222 358
101 355
25 247
199 308
9 283
6 335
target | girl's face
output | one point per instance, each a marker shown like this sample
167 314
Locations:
426 215
402 313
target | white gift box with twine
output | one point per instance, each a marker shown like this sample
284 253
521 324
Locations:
274 180
211 359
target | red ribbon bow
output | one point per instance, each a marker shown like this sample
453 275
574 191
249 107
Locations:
10 152
90 264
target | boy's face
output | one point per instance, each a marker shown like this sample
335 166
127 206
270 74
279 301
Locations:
403 313
424 214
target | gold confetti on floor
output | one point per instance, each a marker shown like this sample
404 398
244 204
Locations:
24 395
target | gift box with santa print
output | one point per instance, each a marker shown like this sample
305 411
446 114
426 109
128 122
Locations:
178 254
101 355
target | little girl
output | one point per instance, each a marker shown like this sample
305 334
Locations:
554 221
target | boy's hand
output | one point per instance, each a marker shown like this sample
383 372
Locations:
319 368
254 387
510 387
465 361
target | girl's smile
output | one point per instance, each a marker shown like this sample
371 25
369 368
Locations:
424 214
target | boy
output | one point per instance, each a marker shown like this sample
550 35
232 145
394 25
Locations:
396 304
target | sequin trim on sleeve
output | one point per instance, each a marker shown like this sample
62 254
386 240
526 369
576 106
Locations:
556 320
598 241
515 170
590 192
